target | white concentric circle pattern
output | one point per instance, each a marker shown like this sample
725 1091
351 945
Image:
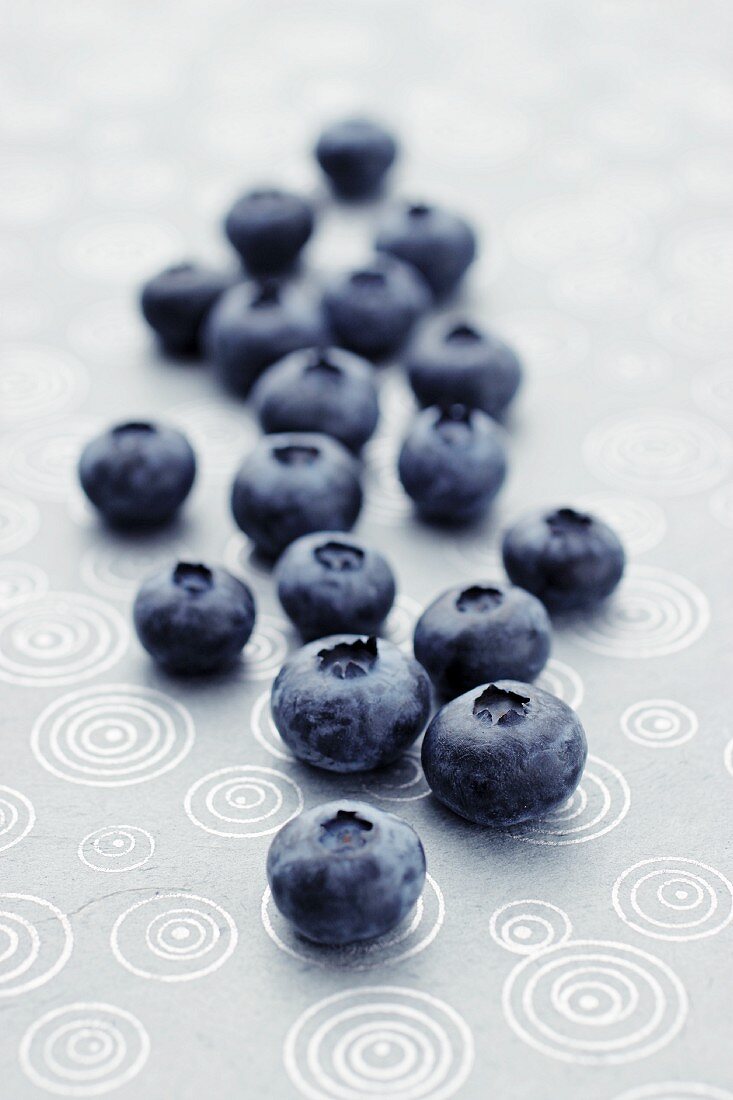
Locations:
529 925
59 638
403 781
116 848
561 680
17 817
173 937
599 804
659 723
594 1003
84 1049
243 801
35 943
116 571
19 522
19 580
113 735
38 381
387 1041
640 524
416 932
673 898
267 648
42 460
676 1090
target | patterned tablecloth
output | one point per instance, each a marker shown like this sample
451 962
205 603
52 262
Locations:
588 956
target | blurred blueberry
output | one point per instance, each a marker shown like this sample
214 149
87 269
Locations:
441 245
176 302
268 228
356 154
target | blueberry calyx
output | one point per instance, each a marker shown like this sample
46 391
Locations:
419 210
453 423
192 577
463 333
321 364
338 557
349 660
296 454
368 279
267 293
132 428
264 193
566 520
479 598
345 832
499 707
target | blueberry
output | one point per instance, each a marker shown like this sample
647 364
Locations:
452 463
471 635
345 871
256 323
268 228
504 753
319 390
292 484
439 244
176 302
457 363
356 154
137 474
570 560
373 309
329 582
192 618
349 704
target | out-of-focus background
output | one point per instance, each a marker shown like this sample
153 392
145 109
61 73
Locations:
590 143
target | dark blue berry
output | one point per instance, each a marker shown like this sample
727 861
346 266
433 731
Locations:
176 302
268 228
257 323
194 619
504 753
471 635
356 154
345 871
455 362
292 484
439 244
569 559
137 474
452 463
319 390
349 704
332 583
373 309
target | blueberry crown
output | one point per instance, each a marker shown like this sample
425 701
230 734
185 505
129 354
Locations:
134 427
500 707
296 454
463 333
193 577
349 660
339 557
368 279
266 293
345 832
479 598
566 520
321 364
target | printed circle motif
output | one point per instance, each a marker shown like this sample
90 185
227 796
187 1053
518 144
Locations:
640 524
173 937
677 1090
660 452
594 1003
17 817
38 381
379 1040
35 943
243 801
264 729
695 321
117 571
84 1049
114 735
413 935
19 522
385 501
116 848
713 391
672 898
577 227
19 580
266 649
659 723
721 504
42 461
119 250
549 342
220 434
400 624
599 804
529 925
403 781
59 638
563 681
653 613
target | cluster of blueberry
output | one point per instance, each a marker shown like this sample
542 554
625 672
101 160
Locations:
499 751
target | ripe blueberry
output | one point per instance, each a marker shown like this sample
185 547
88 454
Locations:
345 871
504 753
452 463
439 244
373 309
472 635
349 704
330 582
356 154
176 302
256 323
456 362
137 474
569 559
268 228
192 618
319 390
292 484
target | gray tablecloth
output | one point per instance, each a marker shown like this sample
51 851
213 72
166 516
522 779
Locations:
587 957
